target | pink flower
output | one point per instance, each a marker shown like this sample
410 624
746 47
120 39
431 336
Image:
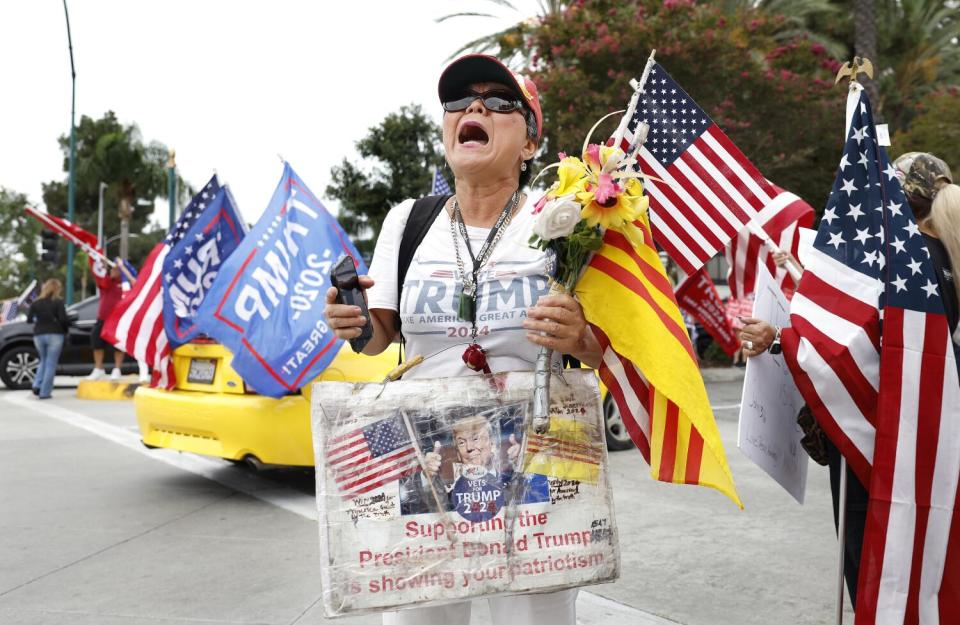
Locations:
539 205
593 155
606 189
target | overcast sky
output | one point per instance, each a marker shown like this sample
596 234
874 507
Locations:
229 85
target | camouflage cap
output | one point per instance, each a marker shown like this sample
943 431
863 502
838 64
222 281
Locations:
919 172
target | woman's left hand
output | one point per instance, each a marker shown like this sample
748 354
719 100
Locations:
561 318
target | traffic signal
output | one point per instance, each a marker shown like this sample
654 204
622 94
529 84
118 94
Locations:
51 248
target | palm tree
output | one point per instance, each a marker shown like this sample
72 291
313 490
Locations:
800 19
507 44
918 51
865 45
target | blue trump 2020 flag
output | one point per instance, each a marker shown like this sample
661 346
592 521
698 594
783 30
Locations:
266 305
191 266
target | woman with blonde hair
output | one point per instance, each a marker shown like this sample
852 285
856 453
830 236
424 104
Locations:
50 324
941 232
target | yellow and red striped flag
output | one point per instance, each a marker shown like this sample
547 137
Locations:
649 365
567 450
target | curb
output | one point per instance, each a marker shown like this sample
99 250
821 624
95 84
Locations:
723 374
106 390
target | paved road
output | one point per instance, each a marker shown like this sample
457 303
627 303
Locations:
97 530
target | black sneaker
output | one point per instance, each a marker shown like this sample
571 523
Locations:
36 391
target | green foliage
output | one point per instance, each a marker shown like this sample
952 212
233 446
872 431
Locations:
398 156
572 252
936 129
714 356
506 44
796 18
918 50
19 243
111 152
774 100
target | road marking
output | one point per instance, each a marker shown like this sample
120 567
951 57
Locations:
592 609
727 407
216 470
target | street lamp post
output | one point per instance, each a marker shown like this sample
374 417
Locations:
72 184
103 186
172 183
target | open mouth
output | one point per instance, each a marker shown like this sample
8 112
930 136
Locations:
472 132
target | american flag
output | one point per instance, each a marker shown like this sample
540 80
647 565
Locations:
369 457
709 190
780 219
136 324
10 308
870 350
192 264
440 185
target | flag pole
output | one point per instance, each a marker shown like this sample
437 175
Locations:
792 268
849 70
422 460
638 87
841 535
66 234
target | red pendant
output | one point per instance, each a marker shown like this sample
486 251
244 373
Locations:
476 358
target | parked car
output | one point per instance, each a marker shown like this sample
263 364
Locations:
211 411
19 359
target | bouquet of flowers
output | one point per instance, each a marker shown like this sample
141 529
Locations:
601 190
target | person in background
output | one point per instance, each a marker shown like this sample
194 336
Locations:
50 324
109 284
923 177
941 233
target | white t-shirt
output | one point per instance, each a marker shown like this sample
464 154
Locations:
512 280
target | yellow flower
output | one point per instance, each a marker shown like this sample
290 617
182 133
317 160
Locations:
617 211
571 175
602 158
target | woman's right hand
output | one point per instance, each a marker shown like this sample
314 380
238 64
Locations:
345 321
757 335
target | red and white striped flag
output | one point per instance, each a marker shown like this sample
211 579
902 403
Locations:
780 219
86 241
709 190
871 352
136 325
366 458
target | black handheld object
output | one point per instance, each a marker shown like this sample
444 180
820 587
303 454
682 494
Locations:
344 278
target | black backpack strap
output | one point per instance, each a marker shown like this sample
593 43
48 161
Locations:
422 216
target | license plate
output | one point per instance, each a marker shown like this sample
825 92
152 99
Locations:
202 370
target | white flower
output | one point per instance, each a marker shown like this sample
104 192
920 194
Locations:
557 219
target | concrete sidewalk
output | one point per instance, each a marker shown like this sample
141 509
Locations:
96 529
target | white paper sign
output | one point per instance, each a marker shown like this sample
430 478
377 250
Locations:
883 134
768 432
421 502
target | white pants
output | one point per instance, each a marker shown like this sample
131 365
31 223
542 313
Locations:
553 608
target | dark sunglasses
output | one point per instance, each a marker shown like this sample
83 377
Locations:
498 101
